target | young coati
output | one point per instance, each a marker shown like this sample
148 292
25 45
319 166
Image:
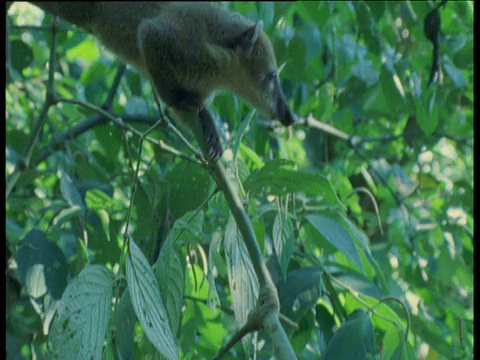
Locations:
188 50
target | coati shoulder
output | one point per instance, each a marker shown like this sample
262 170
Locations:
189 50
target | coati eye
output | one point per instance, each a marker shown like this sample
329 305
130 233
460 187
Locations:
270 77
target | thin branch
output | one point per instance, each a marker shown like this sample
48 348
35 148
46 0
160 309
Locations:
329 129
113 89
120 123
206 301
358 140
244 330
135 179
22 28
59 141
50 99
374 202
267 309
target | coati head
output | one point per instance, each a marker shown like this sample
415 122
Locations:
257 79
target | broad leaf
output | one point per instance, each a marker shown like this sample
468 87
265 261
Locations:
275 179
42 266
283 240
354 340
303 285
124 323
69 192
170 270
241 275
147 302
336 235
96 199
80 325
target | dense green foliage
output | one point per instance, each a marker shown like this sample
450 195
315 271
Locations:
364 209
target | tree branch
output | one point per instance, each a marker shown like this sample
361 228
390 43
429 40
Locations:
50 99
267 309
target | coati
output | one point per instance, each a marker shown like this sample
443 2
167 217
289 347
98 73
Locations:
188 50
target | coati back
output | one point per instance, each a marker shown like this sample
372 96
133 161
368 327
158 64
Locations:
188 50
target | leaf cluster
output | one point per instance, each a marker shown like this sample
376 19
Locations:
119 245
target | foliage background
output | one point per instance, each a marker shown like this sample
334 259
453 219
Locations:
361 67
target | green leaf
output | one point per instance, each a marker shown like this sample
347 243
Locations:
136 106
297 53
304 333
266 12
392 89
124 323
85 50
427 115
326 321
237 139
188 229
283 240
336 235
64 216
147 302
69 192
356 336
96 199
190 184
170 269
394 345
105 220
42 266
251 156
216 265
367 26
80 326
360 284
21 55
365 72
312 11
241 275
432 335
303 285
455 74
274 179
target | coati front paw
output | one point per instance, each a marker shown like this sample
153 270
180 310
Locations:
213 146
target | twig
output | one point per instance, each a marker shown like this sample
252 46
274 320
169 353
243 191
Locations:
265 314
50 99
113 89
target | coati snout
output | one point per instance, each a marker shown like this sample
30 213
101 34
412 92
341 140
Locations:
286 116
188 50
283 112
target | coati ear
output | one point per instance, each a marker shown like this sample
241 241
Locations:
248 39
253 33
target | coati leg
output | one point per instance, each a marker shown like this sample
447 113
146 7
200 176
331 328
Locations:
163 60
211 138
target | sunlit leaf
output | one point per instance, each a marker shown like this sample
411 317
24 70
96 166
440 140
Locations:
80 325
241 275
42 266
336 235
355 338
148 304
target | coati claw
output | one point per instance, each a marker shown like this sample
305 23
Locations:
213 146
214 152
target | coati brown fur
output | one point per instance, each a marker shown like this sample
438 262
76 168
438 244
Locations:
188 50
